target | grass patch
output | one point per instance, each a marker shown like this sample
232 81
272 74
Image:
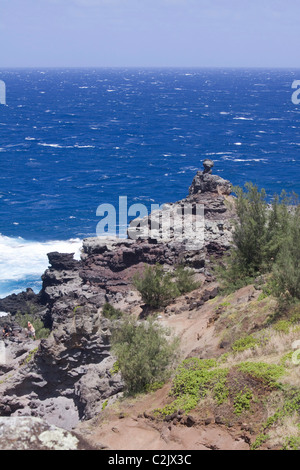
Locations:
247 342
268 374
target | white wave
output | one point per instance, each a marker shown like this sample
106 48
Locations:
243 118
249 160
217 153
84 146
51 145
21 259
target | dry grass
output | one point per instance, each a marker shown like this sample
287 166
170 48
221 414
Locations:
288 428
274 346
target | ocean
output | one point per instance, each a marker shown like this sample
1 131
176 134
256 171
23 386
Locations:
73 139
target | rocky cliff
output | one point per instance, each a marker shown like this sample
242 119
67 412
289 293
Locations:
68 376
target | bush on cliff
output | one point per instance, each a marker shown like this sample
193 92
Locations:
156 287
260 230
159 288
184 278
144 353
286 269
109 311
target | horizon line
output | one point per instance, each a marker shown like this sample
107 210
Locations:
16 67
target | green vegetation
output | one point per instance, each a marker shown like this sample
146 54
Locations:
286 272
104 405
260 439
242 401
40 331
115 368
266 239
292 443
184 278
144 353
108 311
158 288
30 356
247 342
268 374
194 379
291 405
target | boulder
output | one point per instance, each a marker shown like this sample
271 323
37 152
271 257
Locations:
29 433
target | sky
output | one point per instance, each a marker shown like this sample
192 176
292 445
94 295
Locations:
149 33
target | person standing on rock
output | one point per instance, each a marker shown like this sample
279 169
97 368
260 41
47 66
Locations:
31 330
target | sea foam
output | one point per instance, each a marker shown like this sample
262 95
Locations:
22 260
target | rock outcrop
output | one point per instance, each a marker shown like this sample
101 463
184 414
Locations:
68 377
35 434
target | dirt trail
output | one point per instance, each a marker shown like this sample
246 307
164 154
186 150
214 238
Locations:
126 428
123 426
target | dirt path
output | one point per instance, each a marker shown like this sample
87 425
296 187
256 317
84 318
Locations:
124 426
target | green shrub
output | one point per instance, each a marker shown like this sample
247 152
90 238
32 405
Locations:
291 443
156 287
194 379
242 401
267 373
260 439
242 344
286 270
290 406
144 353
184 278
283 326
108 311
259 234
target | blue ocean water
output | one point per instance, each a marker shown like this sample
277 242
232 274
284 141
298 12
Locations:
72 139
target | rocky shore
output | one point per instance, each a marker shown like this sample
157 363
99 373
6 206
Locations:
67 378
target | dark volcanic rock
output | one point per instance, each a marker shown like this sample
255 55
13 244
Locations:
205 182
68 377
62 261
23 302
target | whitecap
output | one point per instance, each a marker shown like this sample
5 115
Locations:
84 146
249 160
57 146
243 119
22 259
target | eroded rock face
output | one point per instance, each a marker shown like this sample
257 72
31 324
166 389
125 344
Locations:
68 377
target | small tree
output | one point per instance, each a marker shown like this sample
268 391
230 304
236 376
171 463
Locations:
286 271
156 287
143 352
185 279
259 232
250 231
